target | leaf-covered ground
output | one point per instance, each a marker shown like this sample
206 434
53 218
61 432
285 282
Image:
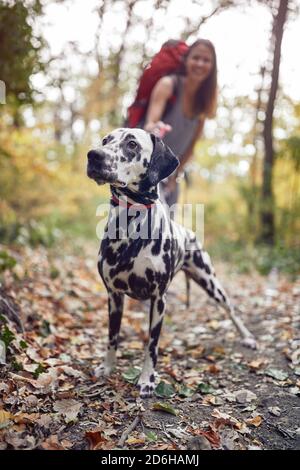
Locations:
212 392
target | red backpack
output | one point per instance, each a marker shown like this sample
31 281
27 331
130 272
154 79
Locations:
167 61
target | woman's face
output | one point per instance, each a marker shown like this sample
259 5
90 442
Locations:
199 63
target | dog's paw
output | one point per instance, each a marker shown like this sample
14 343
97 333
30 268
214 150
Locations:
146 386
249 342
146 389
103 371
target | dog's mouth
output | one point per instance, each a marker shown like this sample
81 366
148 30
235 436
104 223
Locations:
103 176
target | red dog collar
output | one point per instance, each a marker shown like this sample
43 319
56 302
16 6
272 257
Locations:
127 205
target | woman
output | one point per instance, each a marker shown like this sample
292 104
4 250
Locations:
195 89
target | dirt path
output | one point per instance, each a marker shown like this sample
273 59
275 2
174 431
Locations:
212 392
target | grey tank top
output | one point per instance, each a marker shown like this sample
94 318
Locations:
183 128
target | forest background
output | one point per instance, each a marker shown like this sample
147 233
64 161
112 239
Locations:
70 68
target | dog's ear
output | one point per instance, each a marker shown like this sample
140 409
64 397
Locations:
163 161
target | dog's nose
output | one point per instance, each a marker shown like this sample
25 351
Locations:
96 155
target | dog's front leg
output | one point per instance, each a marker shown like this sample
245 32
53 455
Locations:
115 310
147 378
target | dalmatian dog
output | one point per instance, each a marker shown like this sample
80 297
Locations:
142 248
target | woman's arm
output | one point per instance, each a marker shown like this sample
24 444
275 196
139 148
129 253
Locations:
160 95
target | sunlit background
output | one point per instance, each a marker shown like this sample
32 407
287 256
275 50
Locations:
83 76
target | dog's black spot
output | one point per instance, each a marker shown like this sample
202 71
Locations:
119 284
222 295
110 256
139 285
152 378
145 163
118 300
121 248
114 327
130 153
108 139
198 260
149 275
156 248
167 245
207 269
124 266
155 332
160 306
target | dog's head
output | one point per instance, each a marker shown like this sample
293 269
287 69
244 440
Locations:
131 158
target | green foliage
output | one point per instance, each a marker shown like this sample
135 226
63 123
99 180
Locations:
6 335
164 390
131 375
6 261
39 370
42 194
20 49
248 258
291 151
45 196
16 366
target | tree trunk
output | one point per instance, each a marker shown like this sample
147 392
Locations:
267 234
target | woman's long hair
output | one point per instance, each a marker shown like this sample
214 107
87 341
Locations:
206 96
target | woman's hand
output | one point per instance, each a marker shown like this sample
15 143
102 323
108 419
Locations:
158 128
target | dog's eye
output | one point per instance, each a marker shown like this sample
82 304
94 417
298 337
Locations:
132 144
104 141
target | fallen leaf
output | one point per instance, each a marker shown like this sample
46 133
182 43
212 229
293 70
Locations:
277 374
131 375
95 438
151 436
45 421
274 410
52 443
26 418
164 390
214 325
185 391
213 369
135 441
135 345
224 419
2 352
68 408
257 363
204 388
211 435
5 418
244 396
255 421
164 407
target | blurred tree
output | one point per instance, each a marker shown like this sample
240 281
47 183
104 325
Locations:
192 26
267 233
20 51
